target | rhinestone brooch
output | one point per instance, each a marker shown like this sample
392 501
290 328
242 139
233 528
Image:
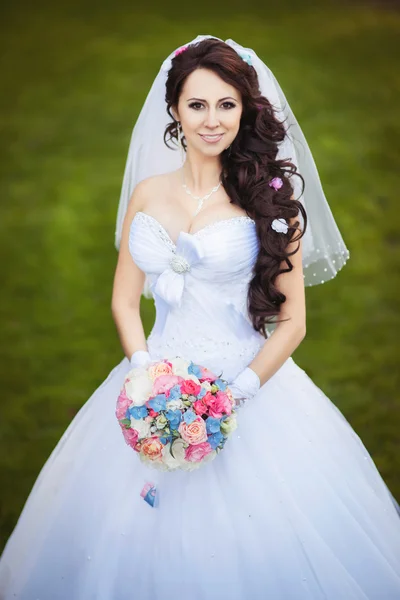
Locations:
179 264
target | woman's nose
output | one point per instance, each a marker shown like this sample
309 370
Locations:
212 120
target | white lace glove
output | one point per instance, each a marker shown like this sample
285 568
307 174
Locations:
140 358
245 386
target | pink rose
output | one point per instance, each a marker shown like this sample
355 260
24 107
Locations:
164 383
229 394
131 436
208 399
207 375
221 405
225 401
198 452
216 409
160 368
152 448
199 407
123 403
195 432
188 386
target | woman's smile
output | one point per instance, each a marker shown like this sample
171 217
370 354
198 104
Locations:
211 138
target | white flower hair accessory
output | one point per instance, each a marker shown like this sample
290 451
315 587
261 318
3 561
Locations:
280 225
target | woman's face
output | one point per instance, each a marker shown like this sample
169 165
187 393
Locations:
209 110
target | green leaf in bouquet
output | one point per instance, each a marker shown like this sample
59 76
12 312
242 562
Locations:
187 402
125 422
214 388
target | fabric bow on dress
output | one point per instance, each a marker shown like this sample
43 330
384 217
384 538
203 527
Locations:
171 282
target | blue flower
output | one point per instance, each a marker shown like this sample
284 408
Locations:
213 425
202 393
246 57
166 440
215 439
221 384
138 412
194 370
174 417
158 403
189 416
175 392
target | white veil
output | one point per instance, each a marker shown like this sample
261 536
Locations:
324 251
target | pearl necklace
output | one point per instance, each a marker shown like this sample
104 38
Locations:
200 199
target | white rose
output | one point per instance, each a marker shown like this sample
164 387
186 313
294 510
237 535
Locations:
206 385
141 426
161 422
175 404
180 366
178 450
168 460
136 371
138 388
193 378
229 425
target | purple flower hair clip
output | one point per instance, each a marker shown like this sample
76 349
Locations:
180 50
276 183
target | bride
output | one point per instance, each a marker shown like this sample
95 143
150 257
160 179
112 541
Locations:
221 235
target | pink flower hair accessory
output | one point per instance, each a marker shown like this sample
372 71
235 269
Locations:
276 183
180 50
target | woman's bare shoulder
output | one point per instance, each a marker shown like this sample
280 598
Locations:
150 190
156 183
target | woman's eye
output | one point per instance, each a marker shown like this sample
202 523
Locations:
196 105
228 105
224 105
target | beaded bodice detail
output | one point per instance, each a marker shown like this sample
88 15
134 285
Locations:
200 285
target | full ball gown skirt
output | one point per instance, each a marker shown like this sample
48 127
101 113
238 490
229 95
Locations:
293 508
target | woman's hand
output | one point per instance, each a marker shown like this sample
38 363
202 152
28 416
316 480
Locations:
140 358
245 386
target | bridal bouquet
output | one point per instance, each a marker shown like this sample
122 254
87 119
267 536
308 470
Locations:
175 414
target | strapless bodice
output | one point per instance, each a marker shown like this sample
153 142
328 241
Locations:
200 284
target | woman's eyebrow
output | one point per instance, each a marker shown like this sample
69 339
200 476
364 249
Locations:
220 100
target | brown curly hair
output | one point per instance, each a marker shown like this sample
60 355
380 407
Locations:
247 168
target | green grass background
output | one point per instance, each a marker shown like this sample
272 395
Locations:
74 76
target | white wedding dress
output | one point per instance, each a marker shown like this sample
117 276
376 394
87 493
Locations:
292 509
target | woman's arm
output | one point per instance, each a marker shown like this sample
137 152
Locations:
287 335
128 286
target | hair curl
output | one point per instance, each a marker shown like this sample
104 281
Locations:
247 168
